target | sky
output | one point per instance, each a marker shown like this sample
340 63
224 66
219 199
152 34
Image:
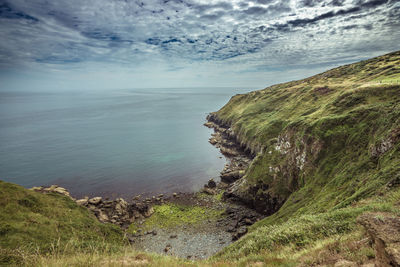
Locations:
106 44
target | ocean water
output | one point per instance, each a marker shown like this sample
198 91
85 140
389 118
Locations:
111 143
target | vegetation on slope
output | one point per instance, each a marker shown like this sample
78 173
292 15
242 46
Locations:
325 143
34 223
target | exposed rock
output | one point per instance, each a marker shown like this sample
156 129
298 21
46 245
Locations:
95 200
83 201
384 230
148 212
52 188
232 176
36 188
120 206
167 248
208 191
211 183
228 152
247 221
102 216
118 211
386 144
254 196
240 156
240 232
209 124
61 191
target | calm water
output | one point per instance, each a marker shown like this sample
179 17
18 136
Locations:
114 143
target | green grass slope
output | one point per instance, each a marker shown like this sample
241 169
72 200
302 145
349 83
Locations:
32 223
324 144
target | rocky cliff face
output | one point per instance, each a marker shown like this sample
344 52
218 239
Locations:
316 143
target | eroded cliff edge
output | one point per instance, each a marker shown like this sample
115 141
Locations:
319 143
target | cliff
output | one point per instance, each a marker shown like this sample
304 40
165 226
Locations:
322 142
322 146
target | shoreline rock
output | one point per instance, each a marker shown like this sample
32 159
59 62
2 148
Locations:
240 156
117 211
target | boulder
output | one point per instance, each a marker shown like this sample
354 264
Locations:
209 124
102 216
95 200
53 188
208 191
83 201
167 248
37 188
61 191
211 183
232 176
148 212
229 152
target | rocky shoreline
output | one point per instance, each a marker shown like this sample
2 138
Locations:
238 158
230 226
240 155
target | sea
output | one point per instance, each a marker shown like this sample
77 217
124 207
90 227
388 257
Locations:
111 143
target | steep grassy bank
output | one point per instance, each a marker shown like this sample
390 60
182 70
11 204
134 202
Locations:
32 224
324 144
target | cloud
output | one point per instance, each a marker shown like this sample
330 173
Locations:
7 12
275 33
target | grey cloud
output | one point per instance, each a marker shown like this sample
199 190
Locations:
273 8
72 32
263 2
213 16
256 10
372 3
8 12
203 8
337 3
309 3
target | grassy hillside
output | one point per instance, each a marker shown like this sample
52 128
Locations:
32 223
324 144
327 147
336 130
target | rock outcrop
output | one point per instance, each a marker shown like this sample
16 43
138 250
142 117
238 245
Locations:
386 144
384 231
52 188
239 156
117 211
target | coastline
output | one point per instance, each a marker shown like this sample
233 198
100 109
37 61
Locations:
230 220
